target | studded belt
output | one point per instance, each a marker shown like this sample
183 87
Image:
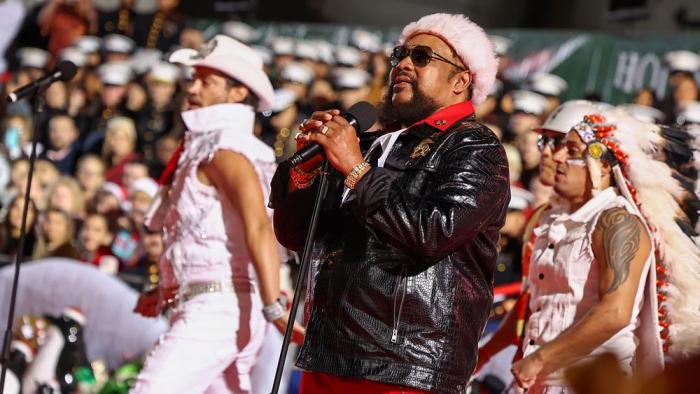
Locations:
192 290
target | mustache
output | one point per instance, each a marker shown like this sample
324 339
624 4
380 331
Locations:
410 77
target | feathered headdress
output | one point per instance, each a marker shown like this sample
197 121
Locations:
649 162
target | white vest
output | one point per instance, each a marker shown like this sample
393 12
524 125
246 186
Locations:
564 283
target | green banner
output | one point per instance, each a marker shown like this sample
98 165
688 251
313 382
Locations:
613 66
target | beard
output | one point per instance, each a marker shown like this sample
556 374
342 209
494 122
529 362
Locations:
418 108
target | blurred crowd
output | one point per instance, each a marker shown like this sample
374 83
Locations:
105 137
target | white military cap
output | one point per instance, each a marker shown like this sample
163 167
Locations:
242 32
366 41
88 44
682 60
548 84
144 58
297 72
118 43
164 72
325 51
284 98
643 113
33 57
501 44
74 55
145 185
115 73
347 56
282 46
350 78
264 52
306 50
529 102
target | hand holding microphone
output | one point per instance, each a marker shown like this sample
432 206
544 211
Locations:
334 133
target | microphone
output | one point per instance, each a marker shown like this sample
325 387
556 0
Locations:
64 71
361 116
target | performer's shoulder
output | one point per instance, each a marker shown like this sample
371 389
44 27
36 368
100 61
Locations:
245 144
469 131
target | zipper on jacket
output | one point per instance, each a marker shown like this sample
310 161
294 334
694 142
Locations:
397 316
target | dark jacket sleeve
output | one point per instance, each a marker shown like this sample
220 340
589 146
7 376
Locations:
471 195
292 211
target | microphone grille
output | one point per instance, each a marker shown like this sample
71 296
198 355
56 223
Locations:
365 114
67 69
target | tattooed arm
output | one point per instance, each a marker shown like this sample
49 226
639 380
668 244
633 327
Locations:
621 246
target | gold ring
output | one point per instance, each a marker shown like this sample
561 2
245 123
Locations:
324 130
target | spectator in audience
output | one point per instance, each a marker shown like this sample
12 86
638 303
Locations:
134 171
17 137
160 114
18 183
279 129
682 86
119 147
296 77
109 103
65 195
46 172
530 155
645 96
550 86
33 64
64 147
90 175
111 197
96 236
528 108
143 274
352 85
64 21
56 236
321 95
56 104
10 230
165 148
141 195
686 91
160 29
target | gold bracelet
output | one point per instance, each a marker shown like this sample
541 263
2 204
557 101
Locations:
356 174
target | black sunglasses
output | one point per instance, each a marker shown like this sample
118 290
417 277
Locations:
420 55
554 143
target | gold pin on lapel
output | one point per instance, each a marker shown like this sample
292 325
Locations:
422 149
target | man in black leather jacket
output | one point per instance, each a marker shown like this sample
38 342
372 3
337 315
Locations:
404 255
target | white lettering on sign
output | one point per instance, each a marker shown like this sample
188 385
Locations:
635 71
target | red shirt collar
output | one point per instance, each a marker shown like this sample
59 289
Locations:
446 117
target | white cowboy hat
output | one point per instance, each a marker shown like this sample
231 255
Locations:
235 59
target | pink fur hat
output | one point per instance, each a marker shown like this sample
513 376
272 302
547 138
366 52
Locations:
469 42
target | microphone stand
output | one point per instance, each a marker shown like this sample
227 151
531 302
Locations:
39 104
303 269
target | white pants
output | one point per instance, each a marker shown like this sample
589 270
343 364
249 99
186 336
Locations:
210 347
263 374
